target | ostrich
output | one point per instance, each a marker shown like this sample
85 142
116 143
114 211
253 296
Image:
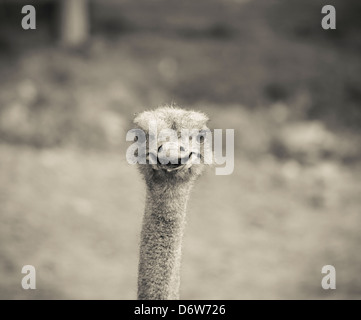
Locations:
167 191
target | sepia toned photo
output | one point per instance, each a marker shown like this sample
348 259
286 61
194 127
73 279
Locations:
192 150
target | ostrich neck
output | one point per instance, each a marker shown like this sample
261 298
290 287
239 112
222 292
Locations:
161 240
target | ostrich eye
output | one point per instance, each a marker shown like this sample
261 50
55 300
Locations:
140 139
200 138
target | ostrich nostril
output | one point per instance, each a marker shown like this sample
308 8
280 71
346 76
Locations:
182 148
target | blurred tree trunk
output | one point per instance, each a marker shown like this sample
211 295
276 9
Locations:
74 22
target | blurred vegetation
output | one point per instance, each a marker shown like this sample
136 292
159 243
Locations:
254 54
291 91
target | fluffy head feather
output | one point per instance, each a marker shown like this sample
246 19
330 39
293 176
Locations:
171 117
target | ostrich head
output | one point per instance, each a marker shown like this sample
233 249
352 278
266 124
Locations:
182 158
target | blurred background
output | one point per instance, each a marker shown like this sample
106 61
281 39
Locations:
71 205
